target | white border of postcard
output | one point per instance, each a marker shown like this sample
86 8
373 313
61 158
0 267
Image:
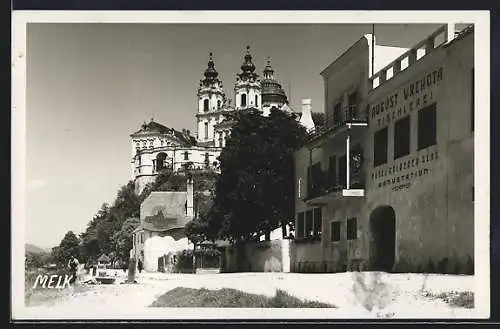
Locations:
481 19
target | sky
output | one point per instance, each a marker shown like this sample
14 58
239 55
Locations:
89 86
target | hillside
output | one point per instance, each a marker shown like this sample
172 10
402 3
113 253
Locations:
31 248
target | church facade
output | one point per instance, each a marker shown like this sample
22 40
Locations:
155 147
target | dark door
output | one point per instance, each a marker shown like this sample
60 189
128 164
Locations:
383 224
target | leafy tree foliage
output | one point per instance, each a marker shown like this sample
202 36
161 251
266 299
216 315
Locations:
255 191
123 239
107 233
68 247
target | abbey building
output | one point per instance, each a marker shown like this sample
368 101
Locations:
155 147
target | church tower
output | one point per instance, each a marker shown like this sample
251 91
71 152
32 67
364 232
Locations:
273 94
211 100
247 89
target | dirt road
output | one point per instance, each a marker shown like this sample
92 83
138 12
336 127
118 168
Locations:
366 295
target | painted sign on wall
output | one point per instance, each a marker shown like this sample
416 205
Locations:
401 174
413 96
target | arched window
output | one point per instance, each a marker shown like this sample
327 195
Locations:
160 161
256 100
186 155
218 104
243 99
206 130
205 105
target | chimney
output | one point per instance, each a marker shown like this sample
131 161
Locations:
190 197
450 31
306 117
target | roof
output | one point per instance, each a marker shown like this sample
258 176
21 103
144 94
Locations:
104 258
169 203
318 117
345 55
153 127
462 34
163 211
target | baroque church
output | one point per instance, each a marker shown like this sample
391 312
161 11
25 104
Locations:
156 147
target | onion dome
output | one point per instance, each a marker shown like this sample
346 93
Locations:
247 68
210 73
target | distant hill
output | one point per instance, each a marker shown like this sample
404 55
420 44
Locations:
31 248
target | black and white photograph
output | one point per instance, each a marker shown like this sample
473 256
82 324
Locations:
250 165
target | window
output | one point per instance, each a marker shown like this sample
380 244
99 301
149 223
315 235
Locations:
353 100
352 229
205 105
402 137
218 104
332 171
334 231
313 179
380 147
337 114
220 139
309 222
343 171
186 155
243 99
256 100
206 130
427 127
317 218
472 96
300 225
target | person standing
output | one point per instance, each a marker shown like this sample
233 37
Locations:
73 268
139 265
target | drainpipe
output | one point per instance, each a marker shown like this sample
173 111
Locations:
373 50
348 157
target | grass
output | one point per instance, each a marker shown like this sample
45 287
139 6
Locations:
187 297
464 299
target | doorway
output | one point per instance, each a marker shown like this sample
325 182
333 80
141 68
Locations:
383 242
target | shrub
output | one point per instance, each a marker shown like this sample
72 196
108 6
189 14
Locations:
186 297
184 262
442 266
463 299
469 266
429 268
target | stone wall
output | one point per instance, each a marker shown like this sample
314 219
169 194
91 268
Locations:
263 256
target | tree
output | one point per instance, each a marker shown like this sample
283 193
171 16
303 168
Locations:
255 191
123 239
68 247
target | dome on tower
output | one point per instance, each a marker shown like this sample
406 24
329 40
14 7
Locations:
247 68
272 92
211 74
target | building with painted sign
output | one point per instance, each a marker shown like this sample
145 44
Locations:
388 184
